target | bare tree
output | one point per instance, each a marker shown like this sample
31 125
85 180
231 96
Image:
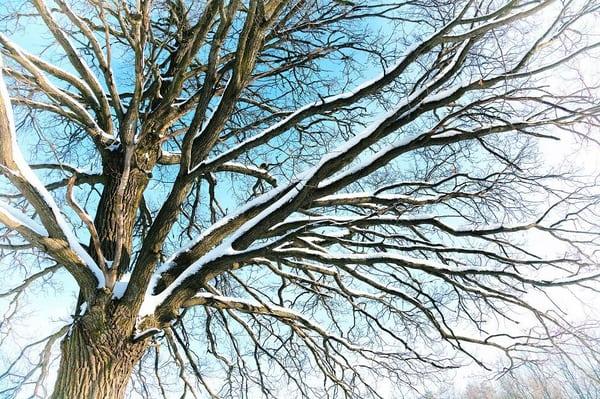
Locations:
553 377
316 197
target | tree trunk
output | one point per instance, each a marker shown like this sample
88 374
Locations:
98 356
108 215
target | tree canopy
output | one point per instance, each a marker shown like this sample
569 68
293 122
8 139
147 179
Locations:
303 198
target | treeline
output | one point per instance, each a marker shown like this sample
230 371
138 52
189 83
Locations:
555 379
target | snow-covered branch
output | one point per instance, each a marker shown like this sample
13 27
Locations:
16 169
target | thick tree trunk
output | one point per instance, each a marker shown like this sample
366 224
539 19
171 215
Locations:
98 355
108 215
97 359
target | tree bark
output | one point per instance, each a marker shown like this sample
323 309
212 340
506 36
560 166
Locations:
108 214
98 356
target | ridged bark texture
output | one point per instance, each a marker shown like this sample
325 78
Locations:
108 215
97 361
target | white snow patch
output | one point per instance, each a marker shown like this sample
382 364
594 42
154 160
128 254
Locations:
121 286
22 219
25 170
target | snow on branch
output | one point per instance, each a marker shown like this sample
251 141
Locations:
16 169
54 92
17 220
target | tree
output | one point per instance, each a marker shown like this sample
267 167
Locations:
316 197
553 377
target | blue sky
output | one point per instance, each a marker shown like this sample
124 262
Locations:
51 308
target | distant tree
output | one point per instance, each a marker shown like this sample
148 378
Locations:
530 385
479 390
303 198
553 378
